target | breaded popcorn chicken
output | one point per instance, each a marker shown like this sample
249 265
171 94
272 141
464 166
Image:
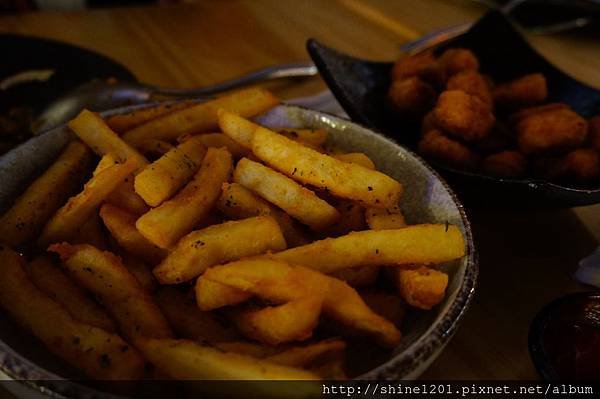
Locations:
422 287
581 165
551 131
434 145
422 65
412 95
428 123
473 83
457 60
594 132
526 90
463 115
505 164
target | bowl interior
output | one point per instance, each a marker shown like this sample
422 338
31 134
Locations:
427 199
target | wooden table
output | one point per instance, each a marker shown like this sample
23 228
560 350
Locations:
526 256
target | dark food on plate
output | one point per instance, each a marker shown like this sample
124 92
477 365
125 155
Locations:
502 129
256 236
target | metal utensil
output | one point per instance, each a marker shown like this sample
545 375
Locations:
98 95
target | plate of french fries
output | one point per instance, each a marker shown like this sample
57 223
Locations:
235 239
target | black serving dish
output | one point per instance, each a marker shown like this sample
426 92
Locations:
361 86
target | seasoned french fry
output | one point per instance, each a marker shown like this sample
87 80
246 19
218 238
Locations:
308 137
221 140
82 206
384 219
141 272
188 360
220 243
121 225
346 180
202 117
190 322
124 122
93 131
212 295
357 158
306 355
165 176
422 287
98 353
281 282
155 147
32 210
91 232
358 276
51 280
237 202
420 244
125 197
103 274
274 325
299 202
237 128
174 218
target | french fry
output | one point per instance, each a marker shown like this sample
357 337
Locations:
202 117
93 131
237 202
32 210
357 158
190 322
237 128
219 243
310 138
388 305
141 272
188 360
416 244
155 147
297 201
51 280
306 355
124 122
91 232
98 353
121 225
385 219
212 295
174 218
125 197
346 180
274 325
221 140
422 287
358 276
82 206
165 176
281 282
103 274
352 218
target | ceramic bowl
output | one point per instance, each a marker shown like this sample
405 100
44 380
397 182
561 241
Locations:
427 199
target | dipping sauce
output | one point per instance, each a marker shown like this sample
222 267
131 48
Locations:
567 346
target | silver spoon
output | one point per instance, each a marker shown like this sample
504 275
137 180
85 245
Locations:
98 95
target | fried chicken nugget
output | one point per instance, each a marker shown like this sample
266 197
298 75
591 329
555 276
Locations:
473 83
457 60
423 65
526 90
412 95
594 132
463 115
505 164
551 131
434 145
581 165
529 111
428 123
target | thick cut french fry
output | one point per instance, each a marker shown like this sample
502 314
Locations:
82 206
307 355
124 122
165 176
385 219
190 322
237 128
32 210
237 202
98 353
155 147
420 244
358 276
121 225
125 197
141 272
174 218
310 138
357 158
346 180
297 201
202 117
103 274
422 287
187 360
93 131
221 140
52 281
212 295
275 325
281 282
217 244
91 232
